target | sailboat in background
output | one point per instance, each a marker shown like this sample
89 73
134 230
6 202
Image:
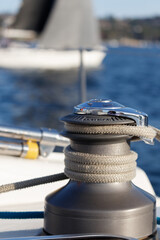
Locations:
61 29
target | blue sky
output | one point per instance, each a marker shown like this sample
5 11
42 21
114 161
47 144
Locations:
119 8
127 8
9 5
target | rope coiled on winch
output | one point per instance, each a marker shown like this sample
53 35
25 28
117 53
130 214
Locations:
85 167
93 168
137 131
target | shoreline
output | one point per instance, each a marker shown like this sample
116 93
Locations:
130 42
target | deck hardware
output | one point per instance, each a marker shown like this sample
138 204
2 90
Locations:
100 196
14 140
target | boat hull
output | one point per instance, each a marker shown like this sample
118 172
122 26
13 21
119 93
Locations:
48 59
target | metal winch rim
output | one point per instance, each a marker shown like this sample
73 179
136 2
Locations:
97 119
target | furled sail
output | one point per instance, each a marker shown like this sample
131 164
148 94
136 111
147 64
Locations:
33 15
71 24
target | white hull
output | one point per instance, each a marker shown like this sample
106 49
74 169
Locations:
28 58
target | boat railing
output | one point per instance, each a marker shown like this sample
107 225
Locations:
28 142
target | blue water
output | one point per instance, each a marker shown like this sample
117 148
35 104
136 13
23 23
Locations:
130 76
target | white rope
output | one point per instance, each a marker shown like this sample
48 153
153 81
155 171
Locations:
85 167
93 168
137 131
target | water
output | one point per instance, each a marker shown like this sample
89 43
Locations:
130 76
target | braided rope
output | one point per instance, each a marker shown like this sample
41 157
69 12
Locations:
95 168
137 131
85 167
87 158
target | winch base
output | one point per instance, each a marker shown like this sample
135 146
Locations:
112 208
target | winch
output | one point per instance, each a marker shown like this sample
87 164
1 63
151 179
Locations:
100 196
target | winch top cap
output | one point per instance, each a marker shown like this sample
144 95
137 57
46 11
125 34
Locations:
108 107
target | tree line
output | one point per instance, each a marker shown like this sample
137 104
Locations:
140 29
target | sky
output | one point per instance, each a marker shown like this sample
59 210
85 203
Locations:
127 8
116 8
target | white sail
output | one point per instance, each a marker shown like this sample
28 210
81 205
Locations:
71 24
